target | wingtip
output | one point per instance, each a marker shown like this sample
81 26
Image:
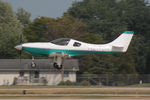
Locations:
129 32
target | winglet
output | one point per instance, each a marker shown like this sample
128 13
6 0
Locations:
128 32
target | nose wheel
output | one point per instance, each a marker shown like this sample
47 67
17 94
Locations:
33 65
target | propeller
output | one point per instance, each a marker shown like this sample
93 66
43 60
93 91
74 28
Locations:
20 51
19 47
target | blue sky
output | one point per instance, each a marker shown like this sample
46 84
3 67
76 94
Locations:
49 8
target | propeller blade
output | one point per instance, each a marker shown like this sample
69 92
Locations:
20 52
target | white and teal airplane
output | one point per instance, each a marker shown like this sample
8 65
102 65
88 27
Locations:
66 47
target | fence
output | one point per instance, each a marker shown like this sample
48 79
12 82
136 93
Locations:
114 79
88 79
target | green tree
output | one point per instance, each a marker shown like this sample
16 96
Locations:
147 69
23 16
101 17
47 29
10 29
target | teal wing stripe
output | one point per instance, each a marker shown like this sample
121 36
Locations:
46 52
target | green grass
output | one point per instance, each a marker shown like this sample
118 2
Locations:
78 91
42 86
89 91
91 86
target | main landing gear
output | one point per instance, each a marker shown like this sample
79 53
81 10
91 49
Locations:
58 62
57 66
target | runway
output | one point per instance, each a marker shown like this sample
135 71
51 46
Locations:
76 99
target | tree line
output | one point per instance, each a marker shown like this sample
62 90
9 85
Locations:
92 21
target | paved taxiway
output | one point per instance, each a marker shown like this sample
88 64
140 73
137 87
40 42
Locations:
78 99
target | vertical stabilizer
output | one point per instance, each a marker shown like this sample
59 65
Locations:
121 44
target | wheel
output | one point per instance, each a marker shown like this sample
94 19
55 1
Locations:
60 67
33 65
57 66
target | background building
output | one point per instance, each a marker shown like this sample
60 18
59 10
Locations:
16 72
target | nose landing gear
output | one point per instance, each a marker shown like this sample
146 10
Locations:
33 65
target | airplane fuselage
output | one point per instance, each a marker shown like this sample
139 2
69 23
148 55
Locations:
46 49
73 47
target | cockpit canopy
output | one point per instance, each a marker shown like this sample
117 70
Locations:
61 41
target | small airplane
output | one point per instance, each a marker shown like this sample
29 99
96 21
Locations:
65 48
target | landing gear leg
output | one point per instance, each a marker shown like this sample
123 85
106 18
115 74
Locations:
59 64
33 65
62 70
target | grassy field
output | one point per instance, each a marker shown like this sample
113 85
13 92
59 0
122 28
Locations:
78 91
146 85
